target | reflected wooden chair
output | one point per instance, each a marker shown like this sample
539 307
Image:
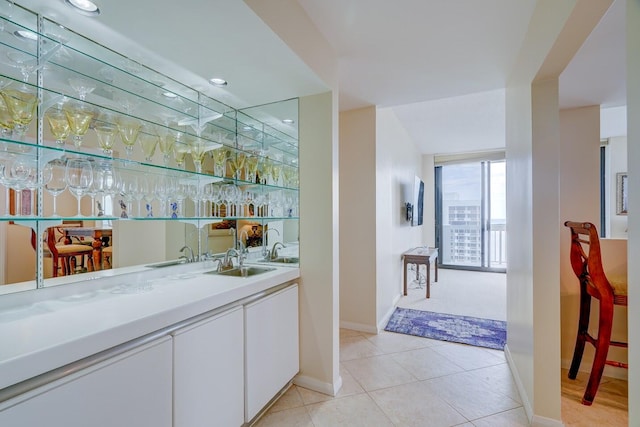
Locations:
586 262
64 255
107 254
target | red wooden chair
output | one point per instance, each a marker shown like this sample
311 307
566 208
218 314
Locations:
587 265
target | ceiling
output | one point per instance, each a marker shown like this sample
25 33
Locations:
419 57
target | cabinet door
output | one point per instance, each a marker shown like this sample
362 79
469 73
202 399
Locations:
271 347
209 372
130 390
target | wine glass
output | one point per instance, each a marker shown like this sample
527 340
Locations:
58 124
236 162
21 105
165 144
18 174
6 120
107 133
79 175
251 167
82 86
129 128
55 182
148 142
219 161
198 148
79 116
180 151
276 168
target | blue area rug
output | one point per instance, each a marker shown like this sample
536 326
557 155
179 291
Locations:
449 327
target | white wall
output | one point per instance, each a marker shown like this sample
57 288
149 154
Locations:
428 176
358 214
398 161
633 136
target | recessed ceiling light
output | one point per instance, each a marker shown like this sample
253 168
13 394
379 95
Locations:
218 82
247 128
86 7
25 35
288 121
169 94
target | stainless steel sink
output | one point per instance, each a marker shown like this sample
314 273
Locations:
286 260
242 271
166 263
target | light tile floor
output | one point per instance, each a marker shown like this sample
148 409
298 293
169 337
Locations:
393 379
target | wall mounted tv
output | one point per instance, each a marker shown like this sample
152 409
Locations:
418 201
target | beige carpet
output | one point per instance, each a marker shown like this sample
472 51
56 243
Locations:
467 293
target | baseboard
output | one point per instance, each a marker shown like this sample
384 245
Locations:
609 371
319 386
385 319
359 327
535 420
516 378
539 421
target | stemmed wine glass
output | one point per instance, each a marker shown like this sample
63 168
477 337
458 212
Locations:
166 144
58 124
180 151
79 175
79 116
6 120
198 148
107 133
236 161
251 167
129 129
53 176
82 86
148 142
21 105
219 161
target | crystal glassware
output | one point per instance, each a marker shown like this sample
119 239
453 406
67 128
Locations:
129 129
58 124
198 148
237 162
79 116
219 161
276 169
165 144
21 104
82 86
148 143
79 175
6 121
180 151
251 167
107 133
54 179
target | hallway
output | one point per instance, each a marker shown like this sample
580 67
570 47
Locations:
398 380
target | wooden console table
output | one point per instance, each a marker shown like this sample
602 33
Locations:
421 255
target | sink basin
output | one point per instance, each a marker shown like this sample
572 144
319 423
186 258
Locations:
242 272
166 263
286 260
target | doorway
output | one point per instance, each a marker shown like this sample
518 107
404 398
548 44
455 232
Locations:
471 214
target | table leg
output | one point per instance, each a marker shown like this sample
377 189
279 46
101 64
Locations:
97 254
428 279
404 274
435 260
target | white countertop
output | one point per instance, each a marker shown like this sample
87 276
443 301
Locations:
49 328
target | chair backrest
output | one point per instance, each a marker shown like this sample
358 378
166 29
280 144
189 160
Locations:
586 259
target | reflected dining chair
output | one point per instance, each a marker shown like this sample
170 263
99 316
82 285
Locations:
64 255
586 262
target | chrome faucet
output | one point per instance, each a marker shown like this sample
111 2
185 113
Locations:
189 258
265 251
227 262
274 249
241 245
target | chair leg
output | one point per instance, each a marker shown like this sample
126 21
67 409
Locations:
89 262
602 349
583 330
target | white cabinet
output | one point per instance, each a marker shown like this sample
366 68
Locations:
209 372
130 390
271 347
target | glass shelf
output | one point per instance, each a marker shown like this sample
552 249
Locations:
246 160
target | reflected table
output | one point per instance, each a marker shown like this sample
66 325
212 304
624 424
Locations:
421 255
101 237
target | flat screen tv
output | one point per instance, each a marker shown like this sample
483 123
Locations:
418 201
